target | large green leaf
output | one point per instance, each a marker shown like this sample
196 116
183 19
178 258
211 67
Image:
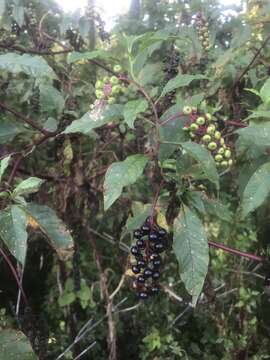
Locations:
204 158
2 7
190 246
257 190
259 114
132 109
51 100
28 186
3 166
13 223
30 65
121 174
14 345
257 134
8 130
180 81
265 91
52 227
94 119
89 55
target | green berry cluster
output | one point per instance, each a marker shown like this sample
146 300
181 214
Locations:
109 88
202 28
30 11
202 129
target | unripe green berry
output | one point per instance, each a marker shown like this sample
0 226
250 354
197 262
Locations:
194 127
217 135
99 94
99 84
221 151
222 141
117 68
200 120
194 109
211 129
187 110
224 163
111 100
218 158
185 128
206 138
116 89
192 135
114 80
230 162
227 154
208 116
212 146
106 79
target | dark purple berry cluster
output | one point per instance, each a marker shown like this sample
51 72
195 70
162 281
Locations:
151 242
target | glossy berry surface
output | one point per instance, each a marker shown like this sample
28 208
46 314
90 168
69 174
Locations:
135 269
141 263
143 295
137 234
153 237
141 279
156 275
134 250
148 272
140 244
155 290
156 263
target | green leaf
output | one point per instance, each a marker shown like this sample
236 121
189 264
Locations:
121 174
89 55
265 91
259 114
13 223
30 65
8 130
257 190
4 165
190 246
257 134
28 186
51 100
94 119
204 158
140 213
132 109
180 81
15 345
2 7
52 227
216 209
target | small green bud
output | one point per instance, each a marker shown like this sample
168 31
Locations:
200 120
192 135
114 80
208 116
99 94
224 163
206 138
212 146
230 162
111 100
187 110
217 135
211 129
222 141
117 68
106 79
227 154
218 158
99 84
221 150
194 127
186 128
116 89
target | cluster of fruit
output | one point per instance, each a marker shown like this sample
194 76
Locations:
30 11
109 88
151 241
203 130
203 31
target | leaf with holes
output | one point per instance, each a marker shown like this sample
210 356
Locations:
132 109
13 223
121 174
52 227
257 190
190 246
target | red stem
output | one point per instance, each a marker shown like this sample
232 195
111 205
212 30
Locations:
14 272
235 123
236 252
171 118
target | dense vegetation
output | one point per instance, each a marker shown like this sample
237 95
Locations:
124 157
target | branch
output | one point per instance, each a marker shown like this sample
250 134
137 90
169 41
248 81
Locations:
24 118
33 51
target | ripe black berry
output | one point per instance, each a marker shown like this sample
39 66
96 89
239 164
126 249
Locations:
145 229
134 250
155 290
267 281
153 237
154 256
157 262
148 272
141 263
162 232
137 234
141 244
143 295
156 275
135 269
159 247
141 279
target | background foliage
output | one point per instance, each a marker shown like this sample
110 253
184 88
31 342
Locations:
79 172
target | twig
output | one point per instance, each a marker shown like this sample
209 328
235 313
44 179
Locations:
14 272
236 252
85 351
121 282
235 123
24 118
